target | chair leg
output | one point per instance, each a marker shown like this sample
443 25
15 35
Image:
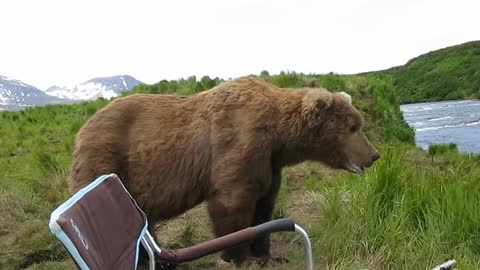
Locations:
151 253
308 246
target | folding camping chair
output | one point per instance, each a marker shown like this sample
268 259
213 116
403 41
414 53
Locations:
101 226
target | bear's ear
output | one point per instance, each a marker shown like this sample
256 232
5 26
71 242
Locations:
346 96
315 99
314 102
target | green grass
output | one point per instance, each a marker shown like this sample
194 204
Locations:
34 162
404 214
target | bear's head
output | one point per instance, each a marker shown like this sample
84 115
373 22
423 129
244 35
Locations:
334 133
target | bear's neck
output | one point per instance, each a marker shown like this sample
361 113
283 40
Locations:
290 129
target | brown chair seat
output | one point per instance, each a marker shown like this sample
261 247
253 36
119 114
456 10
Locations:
101 226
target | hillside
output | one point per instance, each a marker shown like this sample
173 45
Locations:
449 73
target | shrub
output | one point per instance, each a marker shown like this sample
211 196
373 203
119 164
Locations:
289 79
332 82
441 149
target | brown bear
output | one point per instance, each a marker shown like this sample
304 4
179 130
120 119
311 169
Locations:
226 146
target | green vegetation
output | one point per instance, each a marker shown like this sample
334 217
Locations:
442 149
180 87
413 210
34 162
405 213
449 73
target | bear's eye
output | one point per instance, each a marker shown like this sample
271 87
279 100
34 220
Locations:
353 128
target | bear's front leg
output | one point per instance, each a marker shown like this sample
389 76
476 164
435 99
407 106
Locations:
231 211
260 248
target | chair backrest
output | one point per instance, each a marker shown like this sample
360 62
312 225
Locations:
101 225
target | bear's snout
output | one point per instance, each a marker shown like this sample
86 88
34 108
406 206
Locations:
376 156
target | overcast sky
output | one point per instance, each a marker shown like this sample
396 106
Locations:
63 42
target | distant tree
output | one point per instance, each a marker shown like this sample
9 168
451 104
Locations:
332 82
207 83
191 84
440 149
288 79
163 86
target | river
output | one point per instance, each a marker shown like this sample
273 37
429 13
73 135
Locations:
445 122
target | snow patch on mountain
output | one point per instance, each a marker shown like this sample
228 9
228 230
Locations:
105 87
15 93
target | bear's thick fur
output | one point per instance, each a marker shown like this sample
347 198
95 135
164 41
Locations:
226 145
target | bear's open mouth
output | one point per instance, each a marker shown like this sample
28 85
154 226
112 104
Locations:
355 168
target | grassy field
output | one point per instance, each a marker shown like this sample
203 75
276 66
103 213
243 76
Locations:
411 210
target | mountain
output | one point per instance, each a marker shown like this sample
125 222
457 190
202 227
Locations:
449 73
15 94
106 87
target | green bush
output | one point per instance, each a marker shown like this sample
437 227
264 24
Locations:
289 79
332 82
442 149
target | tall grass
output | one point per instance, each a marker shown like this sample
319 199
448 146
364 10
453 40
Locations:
404 216
35 156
